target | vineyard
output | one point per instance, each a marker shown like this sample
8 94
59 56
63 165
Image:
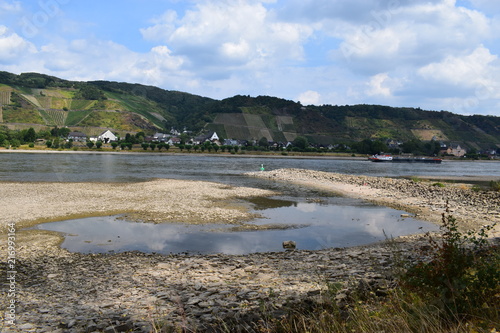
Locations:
5 97
81 104
54 117
75 117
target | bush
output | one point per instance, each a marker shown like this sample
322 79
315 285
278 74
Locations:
461 277
495 185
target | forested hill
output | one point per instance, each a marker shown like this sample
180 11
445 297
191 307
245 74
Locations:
42 100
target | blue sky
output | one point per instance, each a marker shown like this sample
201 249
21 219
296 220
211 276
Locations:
435 54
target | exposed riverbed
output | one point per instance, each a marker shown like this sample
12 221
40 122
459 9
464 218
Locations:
59 290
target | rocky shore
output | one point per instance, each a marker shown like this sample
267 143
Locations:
133 292
58 291
426 199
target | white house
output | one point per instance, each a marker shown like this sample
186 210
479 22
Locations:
212 137
107 136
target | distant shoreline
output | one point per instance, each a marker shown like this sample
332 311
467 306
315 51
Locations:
248 155
38 151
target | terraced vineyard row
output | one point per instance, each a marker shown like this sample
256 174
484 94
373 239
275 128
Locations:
54 117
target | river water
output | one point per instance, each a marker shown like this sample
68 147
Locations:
119 167
331 222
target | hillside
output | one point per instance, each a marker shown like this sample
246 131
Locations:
42 100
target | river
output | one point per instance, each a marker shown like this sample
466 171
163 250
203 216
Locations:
332 222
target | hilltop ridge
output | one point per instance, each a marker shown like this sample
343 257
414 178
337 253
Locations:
46 101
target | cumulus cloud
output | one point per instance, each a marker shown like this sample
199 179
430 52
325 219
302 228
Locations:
12 46
223 36
411 36
309 98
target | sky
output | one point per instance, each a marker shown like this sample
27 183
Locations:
435 54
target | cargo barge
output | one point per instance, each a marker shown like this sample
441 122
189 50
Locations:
390 158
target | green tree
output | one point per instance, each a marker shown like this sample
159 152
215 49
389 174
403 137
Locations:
30 135
413 146
15 143
55 143
263 142
152 146
63 132
145 145
114 144
90 144
184 138
98 144
48 143
90 92
301 142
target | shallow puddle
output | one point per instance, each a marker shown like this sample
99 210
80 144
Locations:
313 225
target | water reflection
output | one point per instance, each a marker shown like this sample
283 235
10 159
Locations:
326 225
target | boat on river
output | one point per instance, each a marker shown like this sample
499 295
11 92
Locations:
397 159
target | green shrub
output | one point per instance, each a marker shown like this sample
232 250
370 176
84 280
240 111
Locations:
495 185
415 179
461 277
438 184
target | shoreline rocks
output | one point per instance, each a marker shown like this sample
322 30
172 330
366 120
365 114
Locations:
131 291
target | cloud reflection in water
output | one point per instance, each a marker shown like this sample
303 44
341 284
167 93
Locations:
332 225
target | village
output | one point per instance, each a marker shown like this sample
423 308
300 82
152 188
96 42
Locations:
186 139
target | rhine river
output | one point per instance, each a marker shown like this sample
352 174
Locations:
127 167
332 222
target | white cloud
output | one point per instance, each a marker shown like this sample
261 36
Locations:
411 36
469 70
224 36
12 46
377 87
309 98
10 7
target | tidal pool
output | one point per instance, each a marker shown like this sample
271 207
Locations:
333 222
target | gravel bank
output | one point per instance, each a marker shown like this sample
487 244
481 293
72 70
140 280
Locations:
162 200
472 209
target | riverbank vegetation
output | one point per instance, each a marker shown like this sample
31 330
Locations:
57 138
